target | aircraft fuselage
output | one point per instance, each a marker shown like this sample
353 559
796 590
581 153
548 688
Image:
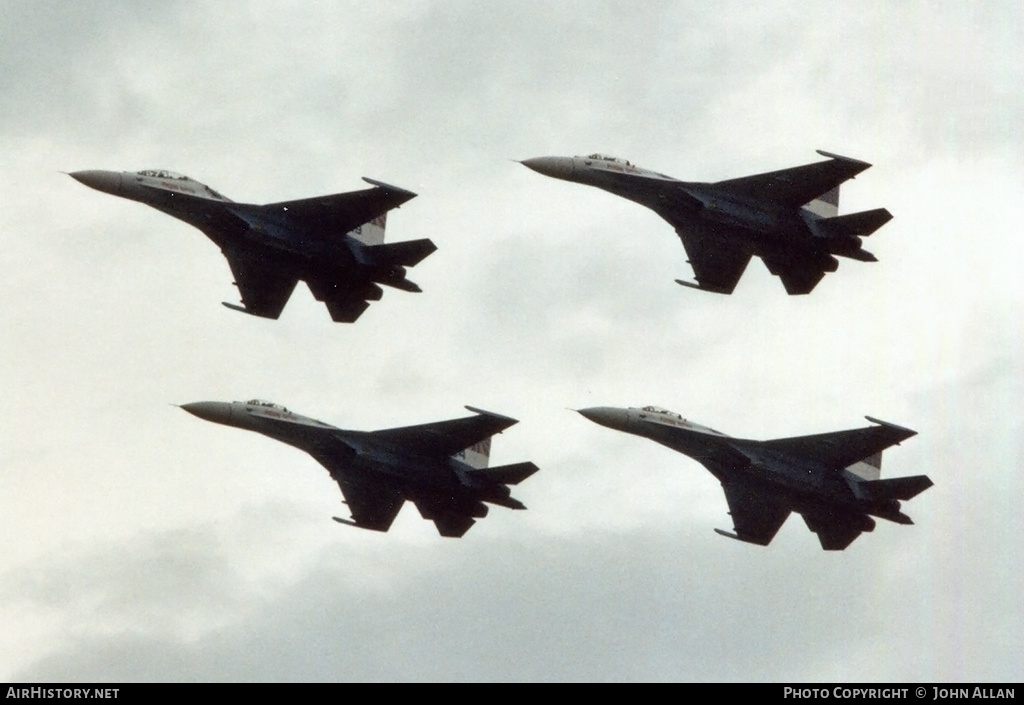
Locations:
802 483
356 452
761 227
335 243
258 230
789 218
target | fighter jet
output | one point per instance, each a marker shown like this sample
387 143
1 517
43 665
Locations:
831 479
788 218
441 467
333 243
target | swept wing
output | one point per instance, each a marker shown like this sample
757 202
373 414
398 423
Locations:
718 263
798 185
373 505
756 518
264 291
340 213
446 438
841 448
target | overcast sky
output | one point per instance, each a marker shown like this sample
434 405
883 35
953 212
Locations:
141 543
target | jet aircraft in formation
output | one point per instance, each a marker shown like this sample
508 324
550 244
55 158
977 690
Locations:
788 218
440 467
334 243
832 479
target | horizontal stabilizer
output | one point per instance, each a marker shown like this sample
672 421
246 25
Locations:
837 530
859 224
507 474
408 253
901 488
345 309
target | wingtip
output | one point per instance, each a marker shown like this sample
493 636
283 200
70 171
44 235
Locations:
881 422
840 157
236 307
699 287
484 412
889 424
390 187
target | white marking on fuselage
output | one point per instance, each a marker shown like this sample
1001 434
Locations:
621 167
184 185
664 417
280 414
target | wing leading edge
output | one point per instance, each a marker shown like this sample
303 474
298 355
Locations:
798 185
342 212
446 438
265 291
374 502
718 260
841 449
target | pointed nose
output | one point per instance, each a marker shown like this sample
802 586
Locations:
106 181
555 167
215 411
606 416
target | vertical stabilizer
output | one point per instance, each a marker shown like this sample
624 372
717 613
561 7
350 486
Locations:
371 233
477 455
869 468
826 205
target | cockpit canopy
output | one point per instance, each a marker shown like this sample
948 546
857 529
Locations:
659 410
267 404
191 187
608 158
163 174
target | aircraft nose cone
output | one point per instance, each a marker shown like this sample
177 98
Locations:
106 181
555 167
606 416
215 411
